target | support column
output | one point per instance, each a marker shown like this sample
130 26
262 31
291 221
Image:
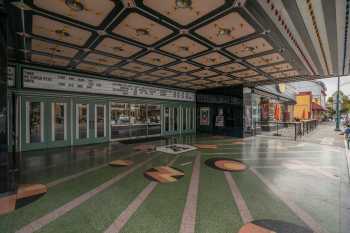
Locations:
6 182
337 124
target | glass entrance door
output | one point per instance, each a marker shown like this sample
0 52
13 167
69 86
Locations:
82 121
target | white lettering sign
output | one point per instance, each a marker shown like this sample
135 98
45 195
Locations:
53 81
10 76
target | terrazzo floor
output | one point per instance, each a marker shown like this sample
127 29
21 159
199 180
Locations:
247 185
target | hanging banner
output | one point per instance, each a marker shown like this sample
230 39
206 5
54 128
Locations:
62 82
204 116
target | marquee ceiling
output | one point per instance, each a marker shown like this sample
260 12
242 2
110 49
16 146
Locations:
191 44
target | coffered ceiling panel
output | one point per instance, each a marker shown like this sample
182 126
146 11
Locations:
122 73
226 29
167 82
231 67
184 47
147 78
184 67
156 59
163 73
49 60
184 85
137 67
285 74
101 59
266 59
213 58
117 47
232 82
53 49
220 78
183 12
91 68
256 78
200 82
249 48
198 87
277 68
184 78
141 29
245 73
59 31
204 73
87 11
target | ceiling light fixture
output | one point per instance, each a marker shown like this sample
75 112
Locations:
117 48
183 4
224 32
62 32
184 48
75 5
142 32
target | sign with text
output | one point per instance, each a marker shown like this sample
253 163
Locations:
10 76
54 81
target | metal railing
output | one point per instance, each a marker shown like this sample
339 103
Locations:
292 130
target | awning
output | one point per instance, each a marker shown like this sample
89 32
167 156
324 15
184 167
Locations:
317 107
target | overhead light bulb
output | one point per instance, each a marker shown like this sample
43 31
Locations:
75 5
184 4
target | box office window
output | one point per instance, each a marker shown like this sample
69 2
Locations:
138 120
120 120
153 119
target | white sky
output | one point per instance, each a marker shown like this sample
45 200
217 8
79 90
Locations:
331 85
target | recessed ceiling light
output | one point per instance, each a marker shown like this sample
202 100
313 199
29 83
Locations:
117 48
224 32
142 32
184 4
184 48
62 32
75 5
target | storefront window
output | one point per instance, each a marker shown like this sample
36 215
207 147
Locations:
100 121
120 120
82 118
138 120
59 129
153 119
34 125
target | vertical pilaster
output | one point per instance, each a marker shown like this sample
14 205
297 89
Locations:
5 177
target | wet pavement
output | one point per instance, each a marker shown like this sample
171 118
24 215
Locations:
229 185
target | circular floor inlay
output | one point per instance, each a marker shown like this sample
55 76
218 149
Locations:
272 226
164 174
226 164
121 163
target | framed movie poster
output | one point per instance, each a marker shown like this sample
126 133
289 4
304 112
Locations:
204 116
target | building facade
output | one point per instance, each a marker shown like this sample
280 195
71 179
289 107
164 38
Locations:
310 100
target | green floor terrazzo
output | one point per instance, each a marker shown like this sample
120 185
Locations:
162 210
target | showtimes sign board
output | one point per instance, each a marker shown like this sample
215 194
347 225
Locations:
63 82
